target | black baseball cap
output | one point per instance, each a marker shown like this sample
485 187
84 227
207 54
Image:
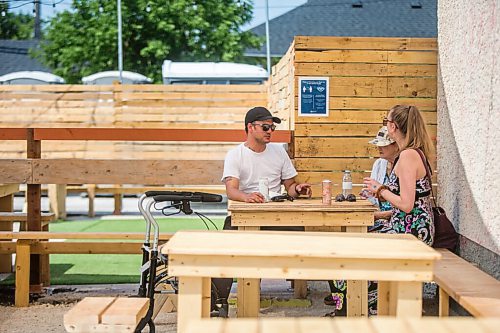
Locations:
260 113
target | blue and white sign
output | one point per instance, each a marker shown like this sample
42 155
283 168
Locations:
313 96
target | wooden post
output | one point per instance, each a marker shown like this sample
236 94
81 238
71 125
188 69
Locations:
6 205
444 303
34 151
57 197
22 295
91 196
118 200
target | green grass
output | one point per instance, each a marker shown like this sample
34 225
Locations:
105 269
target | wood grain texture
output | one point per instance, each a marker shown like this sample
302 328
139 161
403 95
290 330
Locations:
345 325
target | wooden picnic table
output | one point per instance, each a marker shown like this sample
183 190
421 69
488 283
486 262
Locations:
313 215
6 205
400 262
308 213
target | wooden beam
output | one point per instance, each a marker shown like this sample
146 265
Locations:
147 134
153 172
13 134
28 235
15 171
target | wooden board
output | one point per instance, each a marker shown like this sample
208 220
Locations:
105 314
454 275
345 325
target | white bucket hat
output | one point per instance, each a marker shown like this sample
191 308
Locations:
382 139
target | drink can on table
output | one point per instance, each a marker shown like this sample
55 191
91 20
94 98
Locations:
264 188
326 186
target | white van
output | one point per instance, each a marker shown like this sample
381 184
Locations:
31 77
212 73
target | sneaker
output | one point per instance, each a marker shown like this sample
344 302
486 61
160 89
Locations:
329 300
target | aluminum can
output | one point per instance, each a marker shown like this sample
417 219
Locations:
326 190
264 188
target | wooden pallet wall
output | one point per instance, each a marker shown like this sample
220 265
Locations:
367 76
127 106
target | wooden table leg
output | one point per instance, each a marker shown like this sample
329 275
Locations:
22 294
248 297
357 298
409 299
357 291
300 289
192 304
444 303
383 294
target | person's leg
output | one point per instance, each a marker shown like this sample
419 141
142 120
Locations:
221 287
338 297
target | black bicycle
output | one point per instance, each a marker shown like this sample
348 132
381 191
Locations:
154 272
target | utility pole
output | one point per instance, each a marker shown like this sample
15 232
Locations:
268 50
38 21
120 46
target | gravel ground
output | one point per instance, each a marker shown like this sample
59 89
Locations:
45 314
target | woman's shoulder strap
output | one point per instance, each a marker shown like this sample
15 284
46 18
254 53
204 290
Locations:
425 162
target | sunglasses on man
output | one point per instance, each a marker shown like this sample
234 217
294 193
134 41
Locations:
266 127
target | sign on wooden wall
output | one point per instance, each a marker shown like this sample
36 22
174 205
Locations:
313 96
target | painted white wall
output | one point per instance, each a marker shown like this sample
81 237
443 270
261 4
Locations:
469 117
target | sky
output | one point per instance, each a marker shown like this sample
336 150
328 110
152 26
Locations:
276 8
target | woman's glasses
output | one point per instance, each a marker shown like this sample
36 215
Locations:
266 127
386 120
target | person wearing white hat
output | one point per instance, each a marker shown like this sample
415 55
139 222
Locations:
381 169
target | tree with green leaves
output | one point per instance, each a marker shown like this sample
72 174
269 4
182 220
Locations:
84 40
15 26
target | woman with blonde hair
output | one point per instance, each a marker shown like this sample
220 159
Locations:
409 188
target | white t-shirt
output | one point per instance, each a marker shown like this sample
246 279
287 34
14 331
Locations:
249 166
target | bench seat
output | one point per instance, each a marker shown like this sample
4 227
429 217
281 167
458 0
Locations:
106 314
8 217
473 289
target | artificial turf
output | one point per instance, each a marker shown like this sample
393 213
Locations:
108 268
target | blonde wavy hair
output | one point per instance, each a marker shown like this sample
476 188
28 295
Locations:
410 122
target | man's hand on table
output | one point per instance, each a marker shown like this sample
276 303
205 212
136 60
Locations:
254 197
303 189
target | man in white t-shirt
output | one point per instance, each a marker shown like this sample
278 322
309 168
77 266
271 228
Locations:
257 158
243 167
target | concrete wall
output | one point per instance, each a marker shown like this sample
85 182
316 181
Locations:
469 125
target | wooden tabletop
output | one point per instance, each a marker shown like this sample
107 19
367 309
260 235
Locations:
304 244
301 205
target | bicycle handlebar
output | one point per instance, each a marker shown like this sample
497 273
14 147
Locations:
161 196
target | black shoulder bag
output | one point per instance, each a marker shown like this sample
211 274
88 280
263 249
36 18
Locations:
445 235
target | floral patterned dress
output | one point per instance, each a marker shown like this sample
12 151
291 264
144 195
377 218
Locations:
419 221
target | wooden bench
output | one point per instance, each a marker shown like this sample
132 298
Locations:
29 243
347 325
473 289
106 314
10 217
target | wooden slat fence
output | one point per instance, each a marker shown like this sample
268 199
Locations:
367 77
128 106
